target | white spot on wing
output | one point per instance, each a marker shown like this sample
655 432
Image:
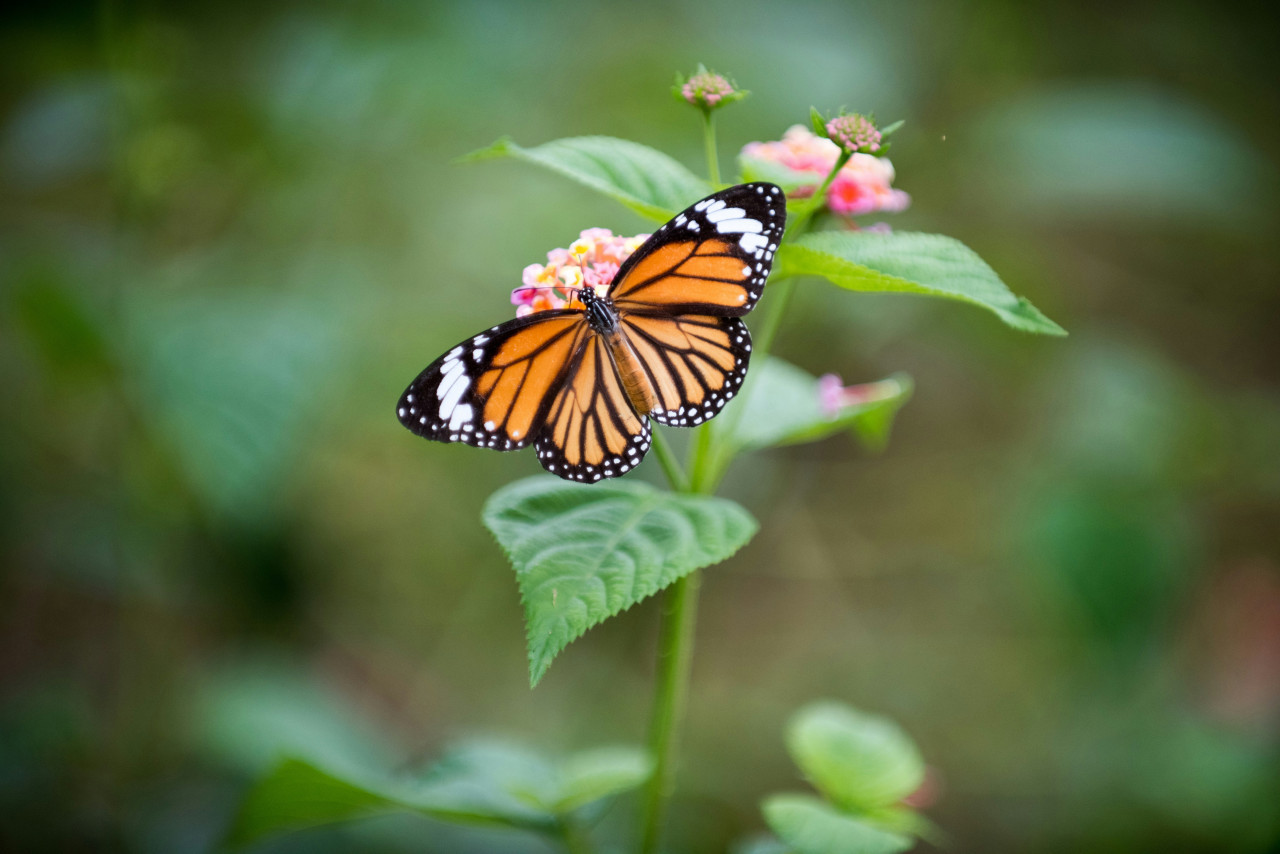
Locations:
734 226
452 387
716 214
461 415
751 242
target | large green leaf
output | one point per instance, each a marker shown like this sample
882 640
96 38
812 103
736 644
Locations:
860 761
478 783
810 826
645 180
909 262
782 405
585 553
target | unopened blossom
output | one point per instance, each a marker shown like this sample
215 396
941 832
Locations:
854 133
708 90
590 261
863 185
834 396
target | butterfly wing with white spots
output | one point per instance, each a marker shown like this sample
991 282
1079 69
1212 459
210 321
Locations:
493 390
713 258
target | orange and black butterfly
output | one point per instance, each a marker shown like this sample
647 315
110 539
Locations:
581 384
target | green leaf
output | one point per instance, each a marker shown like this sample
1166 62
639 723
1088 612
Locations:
645 180
783 406
482 782
888 129
596 774
298 794
812 827
860 761
819 123
585 553
909 262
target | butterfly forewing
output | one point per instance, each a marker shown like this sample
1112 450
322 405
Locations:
493 390
713 258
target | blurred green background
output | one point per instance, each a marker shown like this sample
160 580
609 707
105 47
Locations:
232 236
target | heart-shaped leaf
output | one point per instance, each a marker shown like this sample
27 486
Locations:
861 762
585 553
909 262
810 826
644 179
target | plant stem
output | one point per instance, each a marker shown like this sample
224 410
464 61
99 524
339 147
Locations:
670 465
680 611
699 461
801 220
574 837
709 141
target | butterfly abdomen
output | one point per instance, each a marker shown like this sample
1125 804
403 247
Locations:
603 318
634 378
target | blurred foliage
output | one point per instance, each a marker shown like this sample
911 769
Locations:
231 235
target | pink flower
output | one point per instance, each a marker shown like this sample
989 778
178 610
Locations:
863 185
591 261
834 396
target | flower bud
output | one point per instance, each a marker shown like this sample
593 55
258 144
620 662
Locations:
707 90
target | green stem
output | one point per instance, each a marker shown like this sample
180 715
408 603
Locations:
675 660
573 837
680 612
709 142
764 341
700 459
801 220
670 465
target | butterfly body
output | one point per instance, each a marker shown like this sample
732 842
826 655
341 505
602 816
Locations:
581 384
603 318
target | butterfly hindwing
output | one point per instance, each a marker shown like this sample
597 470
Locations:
591 430
696 363
713 258
493 390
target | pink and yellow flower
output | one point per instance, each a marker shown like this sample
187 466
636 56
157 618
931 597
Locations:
590 261
863 185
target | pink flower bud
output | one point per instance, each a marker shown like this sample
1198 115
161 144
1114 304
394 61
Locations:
854 133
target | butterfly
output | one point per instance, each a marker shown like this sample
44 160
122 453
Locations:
665 342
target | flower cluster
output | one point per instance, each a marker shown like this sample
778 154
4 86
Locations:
863 185
707 90
590 261
854 133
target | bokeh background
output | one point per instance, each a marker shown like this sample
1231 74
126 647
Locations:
231 235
